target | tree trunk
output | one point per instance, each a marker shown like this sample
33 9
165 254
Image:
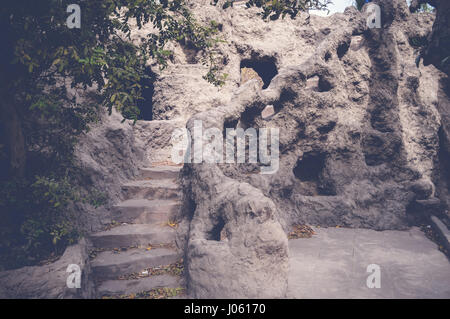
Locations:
14 138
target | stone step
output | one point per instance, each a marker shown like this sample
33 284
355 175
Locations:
143 211
152 189
442 232
160 172
111 265
132 235
126 287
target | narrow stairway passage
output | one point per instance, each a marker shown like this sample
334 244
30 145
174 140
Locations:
137 256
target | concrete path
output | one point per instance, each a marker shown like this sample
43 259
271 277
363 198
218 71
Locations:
333 264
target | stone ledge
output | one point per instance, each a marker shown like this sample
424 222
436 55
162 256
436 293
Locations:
49 281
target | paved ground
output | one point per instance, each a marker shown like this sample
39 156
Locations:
333 264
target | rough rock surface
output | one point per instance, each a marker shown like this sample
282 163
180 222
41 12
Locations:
49 281
109 156
154 139
359 139
236 247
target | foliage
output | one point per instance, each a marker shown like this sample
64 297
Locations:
425 7
274 9
359 4
45 49
37 220
418 41
35 211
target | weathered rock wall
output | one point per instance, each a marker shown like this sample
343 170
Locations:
109 154
235 245
50 281
359 141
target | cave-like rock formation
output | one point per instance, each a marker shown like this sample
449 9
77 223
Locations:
359 142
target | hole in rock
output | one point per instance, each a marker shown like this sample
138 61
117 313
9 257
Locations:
310 166
264 66
215 233
146 104
324 85
286 192
326 31
287 96
230 124
190 51
249 115
342 49
313 181
326 128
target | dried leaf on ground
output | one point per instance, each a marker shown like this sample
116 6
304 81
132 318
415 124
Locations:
175 269
301 231
158 293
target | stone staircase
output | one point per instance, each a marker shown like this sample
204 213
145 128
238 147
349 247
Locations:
137 257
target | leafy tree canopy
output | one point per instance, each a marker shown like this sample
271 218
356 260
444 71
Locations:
274 9
41 48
